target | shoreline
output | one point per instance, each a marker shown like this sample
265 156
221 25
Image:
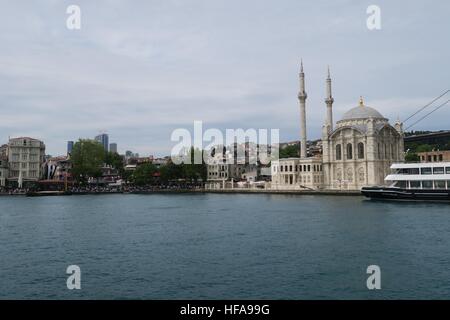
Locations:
226 191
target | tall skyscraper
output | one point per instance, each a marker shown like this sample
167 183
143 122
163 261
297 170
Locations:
113 147
104 140
69 147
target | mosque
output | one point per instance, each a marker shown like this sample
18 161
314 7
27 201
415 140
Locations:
357 151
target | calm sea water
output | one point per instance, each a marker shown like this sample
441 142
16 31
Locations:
205 246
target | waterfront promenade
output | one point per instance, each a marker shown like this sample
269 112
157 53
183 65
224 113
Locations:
168 190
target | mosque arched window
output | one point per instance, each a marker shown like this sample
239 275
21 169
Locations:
338 152
360 150
349 151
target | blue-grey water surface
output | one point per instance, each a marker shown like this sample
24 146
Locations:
222 246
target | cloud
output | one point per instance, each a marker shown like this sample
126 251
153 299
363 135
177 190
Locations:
144 68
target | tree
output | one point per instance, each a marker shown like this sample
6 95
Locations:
412 157
172 171
116 161
144 174
424 148
195 171
87 159
289 152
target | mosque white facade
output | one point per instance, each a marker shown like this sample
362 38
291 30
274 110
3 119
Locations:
357 151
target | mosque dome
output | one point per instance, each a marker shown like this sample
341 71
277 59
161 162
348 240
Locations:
361 112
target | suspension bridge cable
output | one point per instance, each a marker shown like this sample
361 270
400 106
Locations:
437 108
427 105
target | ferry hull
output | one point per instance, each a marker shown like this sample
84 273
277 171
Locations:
390 193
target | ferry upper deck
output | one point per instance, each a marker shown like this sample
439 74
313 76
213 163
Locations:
427 175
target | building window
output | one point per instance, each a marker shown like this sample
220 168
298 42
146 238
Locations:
379 151
290 168
360 150
338 152
441 158
349 151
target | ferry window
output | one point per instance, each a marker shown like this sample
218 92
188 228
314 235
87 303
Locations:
338 152
447 170
360 150
425 170
427 184
438 170
401 184
439 184
409 171
414 184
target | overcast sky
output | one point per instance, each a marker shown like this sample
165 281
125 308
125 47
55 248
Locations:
140 69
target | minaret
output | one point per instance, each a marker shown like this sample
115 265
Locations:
302 98
329 101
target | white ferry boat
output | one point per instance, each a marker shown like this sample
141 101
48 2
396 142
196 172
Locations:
428 181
